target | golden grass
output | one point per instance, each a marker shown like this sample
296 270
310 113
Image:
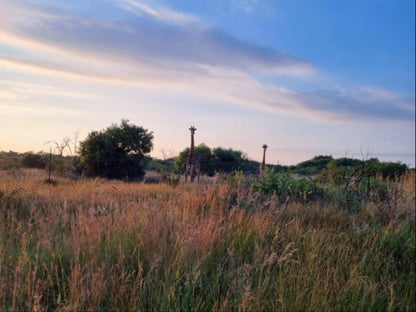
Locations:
96 244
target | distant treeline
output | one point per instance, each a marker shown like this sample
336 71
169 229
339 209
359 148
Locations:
60 165
211 161
372 166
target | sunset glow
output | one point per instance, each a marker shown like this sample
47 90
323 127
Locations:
304 77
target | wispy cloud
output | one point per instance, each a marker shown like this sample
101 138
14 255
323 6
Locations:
162 51
363 103
19 98
139 39
158 12
22 90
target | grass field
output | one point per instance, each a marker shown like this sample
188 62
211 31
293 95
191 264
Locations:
109 245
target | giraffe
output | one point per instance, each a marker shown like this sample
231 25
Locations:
192 163
263 163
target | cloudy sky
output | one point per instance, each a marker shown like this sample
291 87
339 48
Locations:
306 77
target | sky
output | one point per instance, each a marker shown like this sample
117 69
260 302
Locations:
305 77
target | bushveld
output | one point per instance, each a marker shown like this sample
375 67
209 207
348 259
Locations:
95 244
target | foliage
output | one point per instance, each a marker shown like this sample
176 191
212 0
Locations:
278 168
340 191
150 163
227 160
203 157
116 152
392 170
326 168
97 245
348 171
312 166
249 166
10 160
31 160
66 166
165 169
288 188
217 160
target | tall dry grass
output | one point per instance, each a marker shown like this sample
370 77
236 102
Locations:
108 245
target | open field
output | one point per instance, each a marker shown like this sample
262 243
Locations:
109 245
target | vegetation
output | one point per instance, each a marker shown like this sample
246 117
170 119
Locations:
13 160
326 234
217 160
274 244
30 160
313 166
116 152
204 156
325 169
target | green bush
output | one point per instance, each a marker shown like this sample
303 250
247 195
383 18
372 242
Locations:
30 160
116 152
346 199
303 190
288 188
312 166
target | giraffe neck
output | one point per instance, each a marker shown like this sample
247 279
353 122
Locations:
263 162
192 150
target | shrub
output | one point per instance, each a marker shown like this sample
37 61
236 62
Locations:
116 152
33 161
288 188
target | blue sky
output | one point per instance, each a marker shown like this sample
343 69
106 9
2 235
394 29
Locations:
305 77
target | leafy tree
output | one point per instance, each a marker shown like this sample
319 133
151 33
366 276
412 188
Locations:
203 155
392 170
344 171
312 166
228 160
31 160
251 166
277 168
348 170
217 160
116 152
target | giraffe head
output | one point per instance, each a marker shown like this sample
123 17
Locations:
265 146
192 129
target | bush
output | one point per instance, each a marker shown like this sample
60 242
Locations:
352 198
312 166
116 152
33 161
288 188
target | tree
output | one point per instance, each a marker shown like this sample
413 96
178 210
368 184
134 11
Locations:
31 160
217 160
116 152
228 160
348 171
203 155
312 166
